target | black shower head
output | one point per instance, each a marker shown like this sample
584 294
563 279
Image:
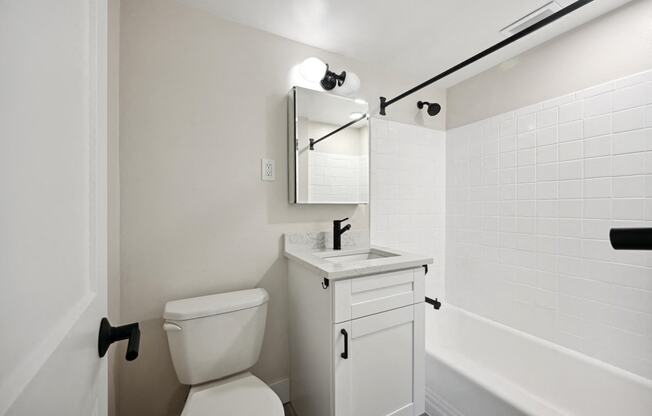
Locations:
433 109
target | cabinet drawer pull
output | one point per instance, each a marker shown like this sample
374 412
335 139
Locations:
345 354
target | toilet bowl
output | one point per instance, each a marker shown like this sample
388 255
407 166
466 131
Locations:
213 341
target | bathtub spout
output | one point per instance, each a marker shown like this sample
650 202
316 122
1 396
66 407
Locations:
434 302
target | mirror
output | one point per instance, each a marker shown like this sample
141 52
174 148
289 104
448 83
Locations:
328 146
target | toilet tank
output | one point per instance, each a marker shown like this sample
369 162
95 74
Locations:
212 337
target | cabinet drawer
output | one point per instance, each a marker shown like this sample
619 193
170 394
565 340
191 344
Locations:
363 296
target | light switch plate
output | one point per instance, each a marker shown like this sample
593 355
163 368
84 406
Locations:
268 170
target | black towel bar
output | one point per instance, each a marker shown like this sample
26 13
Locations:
631 238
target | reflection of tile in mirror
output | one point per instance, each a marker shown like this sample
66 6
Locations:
336 170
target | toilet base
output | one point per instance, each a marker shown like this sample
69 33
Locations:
240 395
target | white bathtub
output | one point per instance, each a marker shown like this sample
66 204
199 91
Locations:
478 367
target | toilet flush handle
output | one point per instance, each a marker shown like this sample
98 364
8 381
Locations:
169 326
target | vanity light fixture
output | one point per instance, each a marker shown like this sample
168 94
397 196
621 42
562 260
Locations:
315 70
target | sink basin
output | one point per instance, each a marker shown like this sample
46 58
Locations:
349 257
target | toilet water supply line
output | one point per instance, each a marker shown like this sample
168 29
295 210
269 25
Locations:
384 102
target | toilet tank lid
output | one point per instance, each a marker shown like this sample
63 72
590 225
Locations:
202 306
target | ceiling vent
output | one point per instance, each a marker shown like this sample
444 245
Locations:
531 19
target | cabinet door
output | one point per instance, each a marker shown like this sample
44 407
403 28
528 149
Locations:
377 377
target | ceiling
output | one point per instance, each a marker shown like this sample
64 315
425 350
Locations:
415 38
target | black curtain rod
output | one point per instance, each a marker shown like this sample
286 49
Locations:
313 142
384 102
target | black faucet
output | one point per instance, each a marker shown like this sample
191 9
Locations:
338 230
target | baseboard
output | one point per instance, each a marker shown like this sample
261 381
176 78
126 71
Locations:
437 406
282 389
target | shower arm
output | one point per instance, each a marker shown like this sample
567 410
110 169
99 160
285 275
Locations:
313 142
384 102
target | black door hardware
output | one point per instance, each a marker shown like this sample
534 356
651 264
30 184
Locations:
345 354
631 238
432 108
425 267
110 334
325 283
338 230
434 302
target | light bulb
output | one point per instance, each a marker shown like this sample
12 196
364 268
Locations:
355 116
313 69
350 86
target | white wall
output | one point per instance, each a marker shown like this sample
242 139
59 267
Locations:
408 169
202 100
531 196
614 45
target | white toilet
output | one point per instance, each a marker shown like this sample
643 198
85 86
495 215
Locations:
213 341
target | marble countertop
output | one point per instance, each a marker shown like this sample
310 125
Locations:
313 254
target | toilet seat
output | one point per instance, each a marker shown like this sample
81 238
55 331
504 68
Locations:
240 395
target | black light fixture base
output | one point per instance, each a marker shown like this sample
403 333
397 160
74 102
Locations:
332 80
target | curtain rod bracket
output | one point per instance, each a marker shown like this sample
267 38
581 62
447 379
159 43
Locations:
382 106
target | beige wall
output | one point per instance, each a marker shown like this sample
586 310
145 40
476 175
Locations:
202 100
609 47
113 166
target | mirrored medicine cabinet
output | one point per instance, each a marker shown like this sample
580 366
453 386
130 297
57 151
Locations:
328 148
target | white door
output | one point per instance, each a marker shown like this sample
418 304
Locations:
382 373
52 206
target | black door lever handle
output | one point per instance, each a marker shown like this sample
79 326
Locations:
110 334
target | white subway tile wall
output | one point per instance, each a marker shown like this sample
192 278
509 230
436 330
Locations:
338 177
408 171
531 196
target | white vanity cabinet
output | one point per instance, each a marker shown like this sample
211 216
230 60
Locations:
357 344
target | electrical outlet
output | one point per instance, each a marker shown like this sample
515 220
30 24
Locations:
268 170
